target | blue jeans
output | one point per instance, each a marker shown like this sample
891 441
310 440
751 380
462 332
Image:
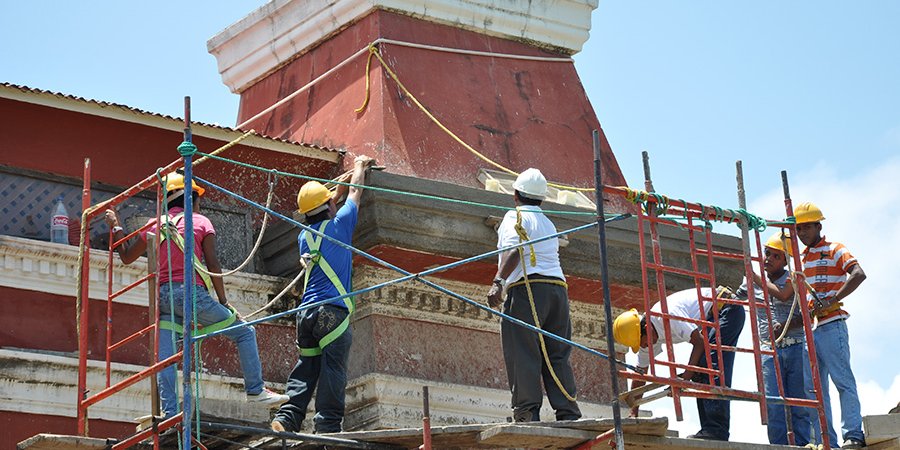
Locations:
796 378
209 311
833 354
325 373
715 415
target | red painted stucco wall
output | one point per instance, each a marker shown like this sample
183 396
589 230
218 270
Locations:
518 113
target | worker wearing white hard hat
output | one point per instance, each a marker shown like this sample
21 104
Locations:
536 269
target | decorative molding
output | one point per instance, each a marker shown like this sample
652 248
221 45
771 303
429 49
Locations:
379 401
39 383
52 268
282 29
416 301
43 384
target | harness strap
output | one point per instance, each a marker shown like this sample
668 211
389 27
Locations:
315 243
211 328
538 280
168 229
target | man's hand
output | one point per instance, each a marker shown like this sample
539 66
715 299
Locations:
111 218
687 375
495 295
634 411
364 160
776 329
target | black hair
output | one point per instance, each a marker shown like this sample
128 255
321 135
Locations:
318 217
643 327
179 200
527 201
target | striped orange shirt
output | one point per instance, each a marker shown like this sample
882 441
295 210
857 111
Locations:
826 265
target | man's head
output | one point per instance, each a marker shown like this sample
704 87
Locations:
630 330
174 183
531 187
316 202
777 250
809 223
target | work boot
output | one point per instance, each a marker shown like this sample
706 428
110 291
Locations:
706 436
853 443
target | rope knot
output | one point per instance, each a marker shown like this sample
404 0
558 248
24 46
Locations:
187 149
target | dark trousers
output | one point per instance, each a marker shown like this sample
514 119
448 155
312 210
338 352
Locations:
715 415
325 373
525 365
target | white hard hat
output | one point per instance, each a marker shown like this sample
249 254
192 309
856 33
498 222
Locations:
532 184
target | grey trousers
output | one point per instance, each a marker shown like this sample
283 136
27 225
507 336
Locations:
525 365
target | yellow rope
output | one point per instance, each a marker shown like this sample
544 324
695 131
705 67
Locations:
368 66
374 51
523 237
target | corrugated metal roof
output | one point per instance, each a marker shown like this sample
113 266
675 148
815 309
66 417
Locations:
104 104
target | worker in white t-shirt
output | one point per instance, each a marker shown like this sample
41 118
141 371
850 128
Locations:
630 329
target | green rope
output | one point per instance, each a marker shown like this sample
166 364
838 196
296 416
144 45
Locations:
187 149
392 191
754 222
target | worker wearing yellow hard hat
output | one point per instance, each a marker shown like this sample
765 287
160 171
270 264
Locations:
323 332
213 312
834 273
787 338
632 330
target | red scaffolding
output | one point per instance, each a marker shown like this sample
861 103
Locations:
650 219
703 254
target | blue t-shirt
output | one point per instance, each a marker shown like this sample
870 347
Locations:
341 228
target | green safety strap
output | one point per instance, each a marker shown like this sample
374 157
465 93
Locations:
169 230
315 243
211 328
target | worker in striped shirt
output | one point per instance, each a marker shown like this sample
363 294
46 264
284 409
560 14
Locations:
833 273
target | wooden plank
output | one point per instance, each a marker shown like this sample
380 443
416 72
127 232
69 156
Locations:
632 397
891 444
651 426
633 441
881 427
530 436
60 442
468 435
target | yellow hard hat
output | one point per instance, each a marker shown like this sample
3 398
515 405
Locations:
781 242
175 181
808 213
311 196
627 329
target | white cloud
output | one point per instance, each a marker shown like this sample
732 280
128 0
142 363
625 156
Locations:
863 213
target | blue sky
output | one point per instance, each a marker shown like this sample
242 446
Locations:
808 86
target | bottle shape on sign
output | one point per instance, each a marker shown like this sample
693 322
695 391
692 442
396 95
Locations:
59 223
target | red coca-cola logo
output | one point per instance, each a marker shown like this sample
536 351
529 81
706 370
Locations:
60 220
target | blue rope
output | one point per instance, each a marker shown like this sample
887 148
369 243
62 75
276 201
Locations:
410 276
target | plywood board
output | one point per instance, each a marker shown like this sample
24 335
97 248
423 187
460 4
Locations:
669 443
881 427
530 436
58 442
891 444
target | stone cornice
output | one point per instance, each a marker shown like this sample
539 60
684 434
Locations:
52 268
416 301
282 29
38 383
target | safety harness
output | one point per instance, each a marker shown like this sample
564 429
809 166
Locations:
523 237
168 229
317 260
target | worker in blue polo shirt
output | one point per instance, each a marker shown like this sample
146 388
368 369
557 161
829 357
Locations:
323 332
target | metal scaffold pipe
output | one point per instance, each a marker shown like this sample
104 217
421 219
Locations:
607 300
